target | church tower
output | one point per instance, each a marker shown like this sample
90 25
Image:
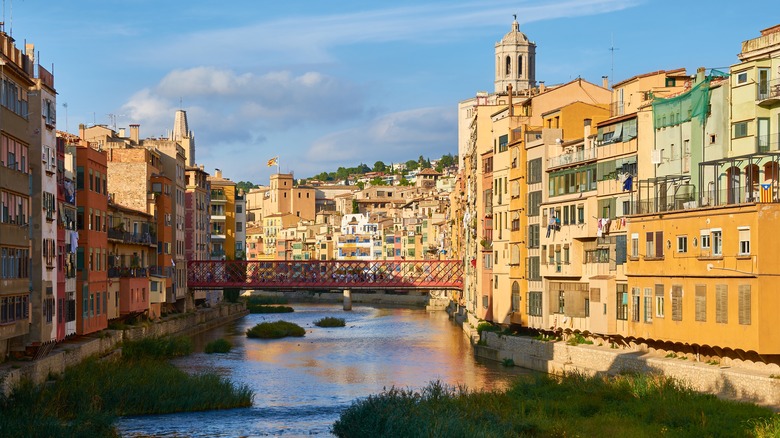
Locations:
515 61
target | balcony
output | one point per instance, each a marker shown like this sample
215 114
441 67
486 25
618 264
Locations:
218 198
127 237
572 158
121 272
766 143
768 93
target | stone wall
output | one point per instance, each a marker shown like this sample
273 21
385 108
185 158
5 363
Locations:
73 351
559 358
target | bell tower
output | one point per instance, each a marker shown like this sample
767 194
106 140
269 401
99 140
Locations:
515 61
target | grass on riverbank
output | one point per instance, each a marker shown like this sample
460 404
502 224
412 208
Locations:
263 308
330 321
220 345
547 406
87 398
275 330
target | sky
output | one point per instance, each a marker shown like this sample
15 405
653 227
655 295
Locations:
328 84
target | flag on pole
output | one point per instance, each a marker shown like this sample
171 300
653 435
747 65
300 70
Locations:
273 161
766 192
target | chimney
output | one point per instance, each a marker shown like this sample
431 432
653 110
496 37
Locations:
700 73
122 132
134 132
82 130
586 131
511 107
217 173
605 82
542 88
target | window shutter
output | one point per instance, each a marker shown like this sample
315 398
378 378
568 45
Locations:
721 303
595 295
659 243
701 302
744 304
677 303
620 249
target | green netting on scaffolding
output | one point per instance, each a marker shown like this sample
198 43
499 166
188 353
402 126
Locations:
684 107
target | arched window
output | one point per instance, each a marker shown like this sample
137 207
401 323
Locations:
508 65
733 176
515 296
771 171
520 66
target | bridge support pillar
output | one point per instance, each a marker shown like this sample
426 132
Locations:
347 299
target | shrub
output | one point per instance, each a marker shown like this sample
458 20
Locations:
261 308
157 348
330 321
486 326
508 362
221 345
275 330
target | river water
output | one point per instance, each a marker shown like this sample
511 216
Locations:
301 385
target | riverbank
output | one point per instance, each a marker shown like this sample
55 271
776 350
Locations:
75 350
748 384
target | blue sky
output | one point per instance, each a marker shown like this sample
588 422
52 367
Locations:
324 84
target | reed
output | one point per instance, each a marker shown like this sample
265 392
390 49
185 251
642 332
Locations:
263 308
330 321
275 330
542 405
158 348
220 345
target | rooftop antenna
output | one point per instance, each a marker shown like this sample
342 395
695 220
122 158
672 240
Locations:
112 120
612 49
65 105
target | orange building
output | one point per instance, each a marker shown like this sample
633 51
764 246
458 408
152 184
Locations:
92 251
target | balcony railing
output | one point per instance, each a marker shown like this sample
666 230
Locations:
127 237
572 157
766 143
122 272
768 90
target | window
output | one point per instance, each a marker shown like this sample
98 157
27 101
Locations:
717 243
650 244
635 304
533 273
515 296
620 249
701 303
744 304
740 129
561 301
565 215
659 300
533 236
721 304
485 301
677 295
744 240
742 78
534 303
503 141
635 245
648 305
580 214
682 244
240 208
534 171
622 301
705 239
534 199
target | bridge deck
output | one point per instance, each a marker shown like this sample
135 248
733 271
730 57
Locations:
350 274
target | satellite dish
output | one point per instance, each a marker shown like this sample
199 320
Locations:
558 141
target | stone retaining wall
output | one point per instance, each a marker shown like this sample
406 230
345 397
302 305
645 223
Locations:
559 358
73 351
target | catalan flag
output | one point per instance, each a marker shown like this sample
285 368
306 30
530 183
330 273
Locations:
273 161
766 192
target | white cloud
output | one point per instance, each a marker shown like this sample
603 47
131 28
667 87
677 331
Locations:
431 132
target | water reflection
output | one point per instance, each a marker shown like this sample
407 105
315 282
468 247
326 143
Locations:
302 384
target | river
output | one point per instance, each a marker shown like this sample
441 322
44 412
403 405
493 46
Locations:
301 385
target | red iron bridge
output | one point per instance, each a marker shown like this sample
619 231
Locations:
332 274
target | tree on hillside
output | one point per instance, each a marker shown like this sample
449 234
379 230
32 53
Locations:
378 181
245 185
411 165
404 182
445 161
379 166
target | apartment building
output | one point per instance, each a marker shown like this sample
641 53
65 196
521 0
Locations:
67 236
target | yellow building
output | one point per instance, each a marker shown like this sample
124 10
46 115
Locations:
704 279
223 217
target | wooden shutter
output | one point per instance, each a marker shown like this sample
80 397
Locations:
659 243
595 295
721 303
744 304
701 302
677 304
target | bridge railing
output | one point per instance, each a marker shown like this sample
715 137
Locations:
330 274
